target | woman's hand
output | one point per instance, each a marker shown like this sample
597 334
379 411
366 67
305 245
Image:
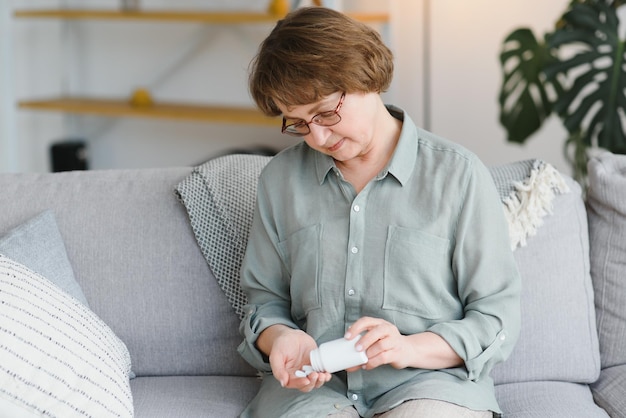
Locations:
383 344
289 350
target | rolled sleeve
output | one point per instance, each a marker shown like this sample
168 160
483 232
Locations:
481 364
251 327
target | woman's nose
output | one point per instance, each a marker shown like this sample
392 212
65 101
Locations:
318 135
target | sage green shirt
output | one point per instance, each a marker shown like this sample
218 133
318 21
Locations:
424 246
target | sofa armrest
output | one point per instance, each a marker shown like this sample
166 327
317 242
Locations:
609 391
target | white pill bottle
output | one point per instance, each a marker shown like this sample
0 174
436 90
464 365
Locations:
336 355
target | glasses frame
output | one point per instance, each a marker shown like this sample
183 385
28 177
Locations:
300 134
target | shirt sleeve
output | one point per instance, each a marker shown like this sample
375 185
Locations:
265 282
488 280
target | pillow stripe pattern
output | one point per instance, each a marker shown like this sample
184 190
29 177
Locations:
57 358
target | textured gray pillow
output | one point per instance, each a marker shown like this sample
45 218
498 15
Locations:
610 391
37 243
606 204
219 197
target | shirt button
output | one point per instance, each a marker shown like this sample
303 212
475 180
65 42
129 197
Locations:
354 397
354 250
351 292
357 208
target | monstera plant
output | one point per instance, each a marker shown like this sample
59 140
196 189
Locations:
577 71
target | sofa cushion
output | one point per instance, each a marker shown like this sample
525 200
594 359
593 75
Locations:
192 396
558 339
547 400
37 243
135 257
57 357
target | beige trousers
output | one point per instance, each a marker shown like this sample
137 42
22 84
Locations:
421 408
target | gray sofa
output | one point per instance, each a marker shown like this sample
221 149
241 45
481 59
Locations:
143 270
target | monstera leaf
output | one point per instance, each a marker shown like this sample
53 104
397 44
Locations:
524 100
595 98
578 72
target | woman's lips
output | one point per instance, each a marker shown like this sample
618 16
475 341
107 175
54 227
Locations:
336 146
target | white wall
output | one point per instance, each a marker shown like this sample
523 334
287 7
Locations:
112 58
466 39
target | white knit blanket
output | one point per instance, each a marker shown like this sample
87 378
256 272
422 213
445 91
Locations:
527 189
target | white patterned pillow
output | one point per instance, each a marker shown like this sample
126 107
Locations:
57 358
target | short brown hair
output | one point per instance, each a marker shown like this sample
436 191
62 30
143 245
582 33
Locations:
314 52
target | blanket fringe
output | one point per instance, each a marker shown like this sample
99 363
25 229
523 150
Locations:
531 200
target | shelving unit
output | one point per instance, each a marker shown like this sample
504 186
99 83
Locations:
123 107
176 16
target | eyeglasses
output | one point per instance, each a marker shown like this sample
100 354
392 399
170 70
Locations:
298 127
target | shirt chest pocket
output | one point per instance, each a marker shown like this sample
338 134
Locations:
301 253
418 277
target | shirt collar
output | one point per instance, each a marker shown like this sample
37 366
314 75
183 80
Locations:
402 161
404 157
324 164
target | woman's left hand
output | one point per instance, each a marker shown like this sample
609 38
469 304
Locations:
384 344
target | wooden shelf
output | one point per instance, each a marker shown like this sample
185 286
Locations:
180 111
123 108
174 16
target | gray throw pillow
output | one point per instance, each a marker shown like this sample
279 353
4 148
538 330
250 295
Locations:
606 207
37 243
558 339
606 204
219 197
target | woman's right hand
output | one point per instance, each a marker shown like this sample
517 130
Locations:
289 350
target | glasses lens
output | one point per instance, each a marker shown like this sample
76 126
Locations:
295 129
298 127
327 119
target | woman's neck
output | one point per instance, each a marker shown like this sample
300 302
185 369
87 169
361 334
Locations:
359 171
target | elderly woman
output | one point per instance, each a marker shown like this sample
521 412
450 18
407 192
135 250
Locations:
369 227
